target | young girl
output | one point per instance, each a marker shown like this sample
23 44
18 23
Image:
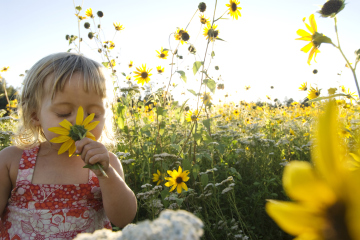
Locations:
46 195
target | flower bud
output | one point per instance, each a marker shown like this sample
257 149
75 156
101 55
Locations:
67 37
202 7
87 25
357 53
192 49
99 26
100 14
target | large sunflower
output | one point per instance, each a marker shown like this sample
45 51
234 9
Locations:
177 180
163 54
69 134
210 32
234 10
326 194
314 37
142 75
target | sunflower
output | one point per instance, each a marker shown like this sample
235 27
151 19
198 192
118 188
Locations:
234 10
292 132
247 87
177 180
163 54
89 13
4 69
191 116
210 32
80 17
69 134
303 86
325 194
158 177
118 26
236 112
111 44
128 77
313 93
182 35
130 64
142 75
314 37
331 8
206 98
160 69
203 19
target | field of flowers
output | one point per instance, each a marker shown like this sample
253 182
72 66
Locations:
220 161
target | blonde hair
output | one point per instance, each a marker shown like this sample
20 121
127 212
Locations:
58 68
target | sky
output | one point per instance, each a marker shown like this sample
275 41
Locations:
259 50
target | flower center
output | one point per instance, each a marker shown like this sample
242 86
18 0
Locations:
185 36
179 180
233 7
330 7
77 132
162 55
336 227
144 75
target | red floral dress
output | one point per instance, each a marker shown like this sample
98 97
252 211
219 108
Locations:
51 211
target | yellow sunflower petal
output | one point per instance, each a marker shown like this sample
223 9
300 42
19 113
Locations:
328 151
183 185
90 135
173 187
180 170
313 23
80 116
309 28
169 184
158 172
301 183
65 146
303 33
60 139
66 124
307 38
59 130
88 119
307 47
91 125
179 189
72 149
294 218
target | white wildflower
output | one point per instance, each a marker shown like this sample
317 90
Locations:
226 190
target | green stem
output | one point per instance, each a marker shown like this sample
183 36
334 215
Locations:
347 62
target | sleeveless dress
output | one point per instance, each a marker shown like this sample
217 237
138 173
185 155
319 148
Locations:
51 211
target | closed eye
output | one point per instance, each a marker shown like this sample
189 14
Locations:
63 115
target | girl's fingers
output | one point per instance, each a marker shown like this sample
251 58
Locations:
91 153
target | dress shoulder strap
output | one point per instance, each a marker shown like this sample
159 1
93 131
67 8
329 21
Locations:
27 166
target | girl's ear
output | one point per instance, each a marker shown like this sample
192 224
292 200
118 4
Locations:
34 119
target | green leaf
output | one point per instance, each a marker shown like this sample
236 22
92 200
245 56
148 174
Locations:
212 54
160 111
79 8
193 92
210 84
69 50
207 124
173 137
121 122
195 170
204 179
220 39
197 66
162 128
106 64
177 147
186 164
182 75
197 137
123 74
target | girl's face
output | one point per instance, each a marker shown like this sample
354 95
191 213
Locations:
65 105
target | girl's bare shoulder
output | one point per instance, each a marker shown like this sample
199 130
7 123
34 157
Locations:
10 154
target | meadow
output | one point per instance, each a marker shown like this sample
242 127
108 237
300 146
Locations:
220 160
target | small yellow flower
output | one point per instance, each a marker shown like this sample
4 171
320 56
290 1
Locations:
69 134
177 180
236 112
163 54
128 77
206 98
292 132
89 13
142 75
191 116
4 69
130 64
158 177
203 19
247 87
160 69
210 32
182 35
234 9
80 17
111 44
303 86
313 93
118 26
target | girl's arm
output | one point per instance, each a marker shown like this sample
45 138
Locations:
5 181
119 200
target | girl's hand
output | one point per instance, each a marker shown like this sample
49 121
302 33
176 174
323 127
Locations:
93 152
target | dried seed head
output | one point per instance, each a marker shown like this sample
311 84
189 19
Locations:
185 36
100 14
202 7
87 25
67 37
90 35
331 8
315 71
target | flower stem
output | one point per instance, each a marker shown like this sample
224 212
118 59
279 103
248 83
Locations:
347 62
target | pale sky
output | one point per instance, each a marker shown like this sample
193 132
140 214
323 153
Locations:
260 48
